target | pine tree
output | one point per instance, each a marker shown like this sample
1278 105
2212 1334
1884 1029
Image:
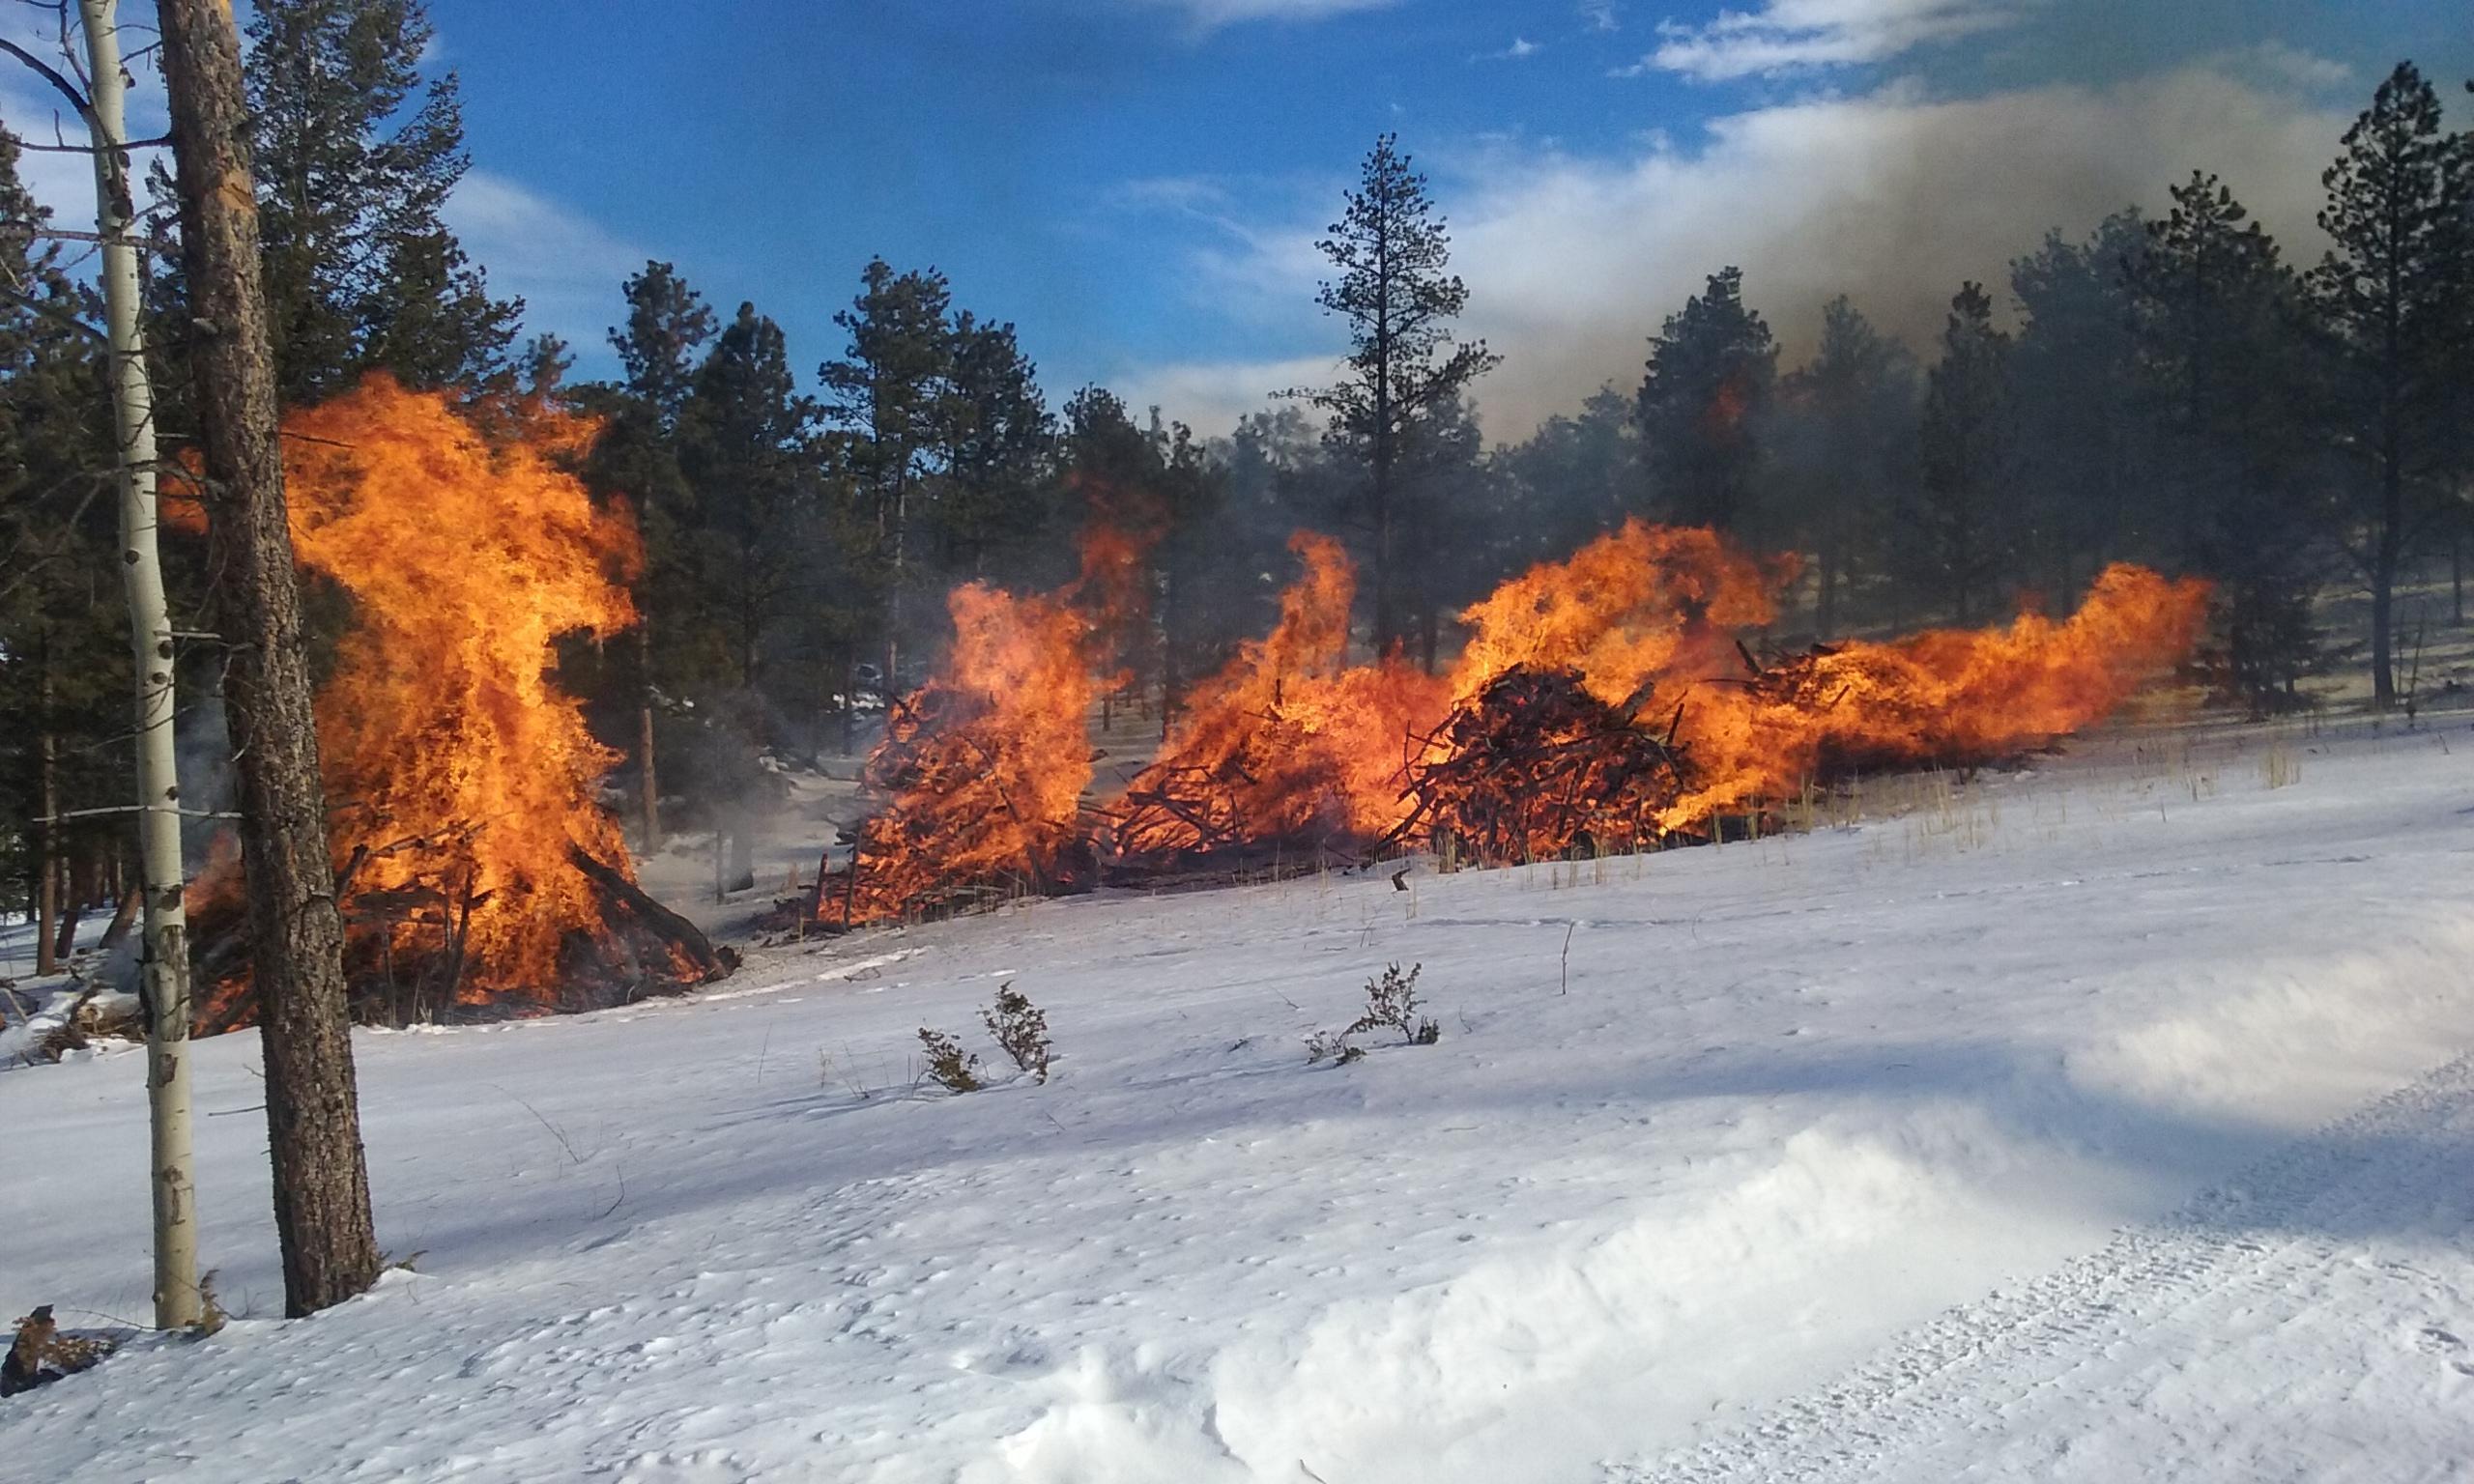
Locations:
637 458
1444 459
892 394
744 451
1111 469
2084 459
1710 371
1192 564
1960 548
63 646
361 272
995 492
1275 474
1846 428
2221 365
1393 289
1569 481
668 327
2390 290
1155 485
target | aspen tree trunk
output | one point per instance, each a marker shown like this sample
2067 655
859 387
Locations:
313 1116
164 959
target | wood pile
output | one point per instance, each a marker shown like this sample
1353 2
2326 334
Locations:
1534 767
406 958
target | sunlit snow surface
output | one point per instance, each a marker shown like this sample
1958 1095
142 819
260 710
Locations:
2054 1131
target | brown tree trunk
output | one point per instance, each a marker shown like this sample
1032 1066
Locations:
313 1118
650 784
124 917
47 871
73 911
2456 574
849 701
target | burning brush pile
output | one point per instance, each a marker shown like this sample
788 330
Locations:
1607 702
477 868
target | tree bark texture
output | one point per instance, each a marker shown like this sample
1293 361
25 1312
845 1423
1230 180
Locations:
313 1123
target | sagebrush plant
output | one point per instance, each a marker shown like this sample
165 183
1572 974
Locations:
1019 1029
948 1067
1391 1003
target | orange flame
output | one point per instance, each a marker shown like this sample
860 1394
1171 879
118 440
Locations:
458 775
1675 721
1287 741
1285 744
1947 696
1642 604
986 763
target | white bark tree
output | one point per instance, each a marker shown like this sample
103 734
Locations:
164 961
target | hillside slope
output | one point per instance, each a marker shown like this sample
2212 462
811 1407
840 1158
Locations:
1712 1145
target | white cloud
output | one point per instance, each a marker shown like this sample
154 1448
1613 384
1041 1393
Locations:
1211 396
1893 197
1787 36
566 266
1521 47
1601 16
1212 15
2293 64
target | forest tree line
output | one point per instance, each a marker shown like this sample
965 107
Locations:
2170 390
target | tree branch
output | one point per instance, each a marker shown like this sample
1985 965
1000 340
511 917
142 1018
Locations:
88 148
67 235
53 312
67 89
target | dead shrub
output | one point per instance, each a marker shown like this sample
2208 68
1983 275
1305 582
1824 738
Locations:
41 1355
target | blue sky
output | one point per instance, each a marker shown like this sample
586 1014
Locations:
1137 182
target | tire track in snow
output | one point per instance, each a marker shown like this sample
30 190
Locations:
2257 1239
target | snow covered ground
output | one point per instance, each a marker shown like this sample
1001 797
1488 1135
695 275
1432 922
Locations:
2103 1123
